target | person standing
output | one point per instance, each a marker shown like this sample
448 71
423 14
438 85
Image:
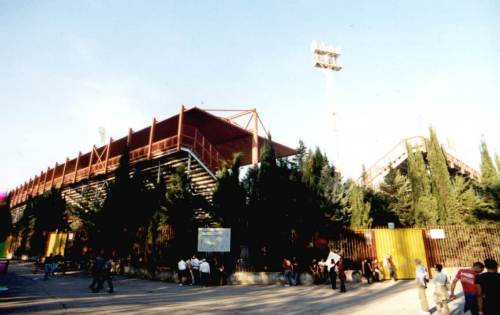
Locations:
488 289
421 280
182 267
97 270
467 278
332 270
106 276
295 270
204 272
341 274
287 271
47 266
390 267
323 270
441 282
195 263
366 268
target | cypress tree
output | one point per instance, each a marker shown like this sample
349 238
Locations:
441 183
423 202
359 210
489 174
180 214
490 181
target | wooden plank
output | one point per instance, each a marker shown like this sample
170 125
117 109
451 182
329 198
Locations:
90 161
76 165
151 137
107 155
179 128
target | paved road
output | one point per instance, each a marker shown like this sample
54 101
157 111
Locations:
29 294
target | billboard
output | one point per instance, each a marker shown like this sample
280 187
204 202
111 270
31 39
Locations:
214 240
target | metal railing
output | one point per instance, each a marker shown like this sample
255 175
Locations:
191 138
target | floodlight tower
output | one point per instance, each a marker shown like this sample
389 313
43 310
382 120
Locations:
326 58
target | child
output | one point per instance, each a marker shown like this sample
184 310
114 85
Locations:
441 291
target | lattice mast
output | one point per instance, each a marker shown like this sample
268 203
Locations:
326 58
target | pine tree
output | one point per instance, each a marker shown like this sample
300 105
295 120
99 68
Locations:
397 187
441 183
334 196
314 163
359 210
423 202
467 199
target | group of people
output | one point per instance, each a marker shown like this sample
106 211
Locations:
101 272
481 289
330 269
51 264
194 271
372 269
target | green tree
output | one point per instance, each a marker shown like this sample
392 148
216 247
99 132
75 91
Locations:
397 188
489 175
423 202
467 200
489 185
441 182
358 208
229 200
180 214
120 218
335 198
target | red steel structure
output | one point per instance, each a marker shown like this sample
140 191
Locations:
210 138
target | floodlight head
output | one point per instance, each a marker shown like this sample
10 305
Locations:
325 57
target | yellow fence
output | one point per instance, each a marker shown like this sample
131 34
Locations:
56 243
404 245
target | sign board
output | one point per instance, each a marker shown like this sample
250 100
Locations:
391 225
437 234
214 240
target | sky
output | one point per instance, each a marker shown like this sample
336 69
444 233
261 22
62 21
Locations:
70 67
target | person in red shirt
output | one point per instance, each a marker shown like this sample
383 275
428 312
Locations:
467 278
287 271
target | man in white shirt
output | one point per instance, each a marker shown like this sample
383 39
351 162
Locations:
204 272
182 266
195 264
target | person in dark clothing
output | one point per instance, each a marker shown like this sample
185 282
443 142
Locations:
333 274
488 288
48 266
106 276
295 270
367 270
341 274
315 271
97 270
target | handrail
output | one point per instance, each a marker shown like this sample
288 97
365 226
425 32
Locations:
191 139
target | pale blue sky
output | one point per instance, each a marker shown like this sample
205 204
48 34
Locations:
69 67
